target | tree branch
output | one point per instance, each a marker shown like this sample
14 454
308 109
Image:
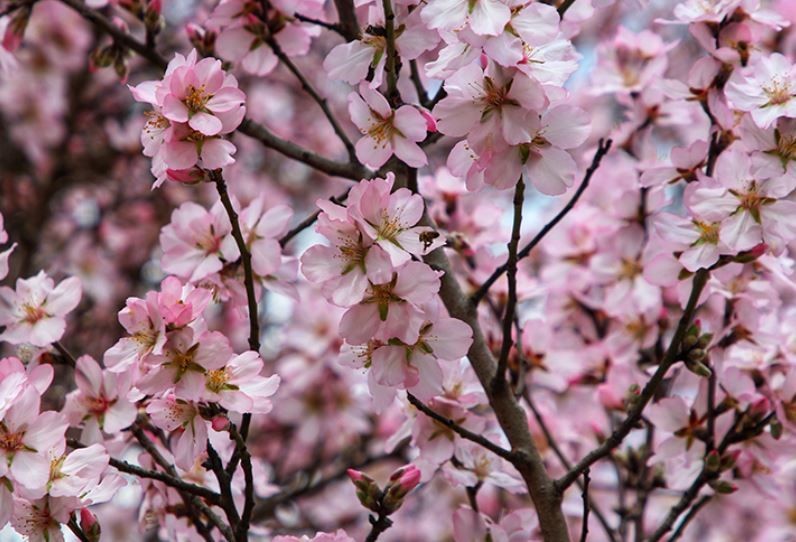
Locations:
602 149
461 431
511 269
616 438
347 17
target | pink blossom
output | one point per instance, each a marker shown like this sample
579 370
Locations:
100 401
344 269
186 357
262 229
239 386
36 311
25 437
73 474
200 94
489 101
390 309
142 319
180 416
482 16
748 206
197 242
386 131
766 88
390 219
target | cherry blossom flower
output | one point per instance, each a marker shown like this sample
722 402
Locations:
202 95
36 311
343 269
141 318
197 242
482 16
25 437
186 357
180 416
749 207
386 131
390 219
491 100
390 309
766 88
239 386
100 401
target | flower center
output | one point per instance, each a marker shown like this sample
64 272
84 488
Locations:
708 232
33 314
11 442
217 379
97 405
389 226
778 91
629 269
382 130
196 98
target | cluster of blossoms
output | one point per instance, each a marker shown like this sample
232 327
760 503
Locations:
394 325
644 338
199 248
195 105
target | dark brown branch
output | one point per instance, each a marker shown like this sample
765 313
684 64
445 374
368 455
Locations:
347 17
640 402
393 95
118 35
511 269
320 100
461 431
245 256
602 149
565 5
584 533
688 517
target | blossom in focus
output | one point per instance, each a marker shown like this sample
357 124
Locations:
35 312
386 131
766 88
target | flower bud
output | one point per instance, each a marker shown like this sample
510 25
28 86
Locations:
220 423
699 368
89 525
15 30
689 342
776 428
402 481
723 487
368 492
713 461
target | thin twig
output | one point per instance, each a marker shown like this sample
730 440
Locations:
511 302
393 95
688 517
324 24
320 100
461 431
70 359
585 493
245 256
602 149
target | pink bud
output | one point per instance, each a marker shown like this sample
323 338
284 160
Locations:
431 122
219 423
407 477
195 32
155 6
355 475
89 525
